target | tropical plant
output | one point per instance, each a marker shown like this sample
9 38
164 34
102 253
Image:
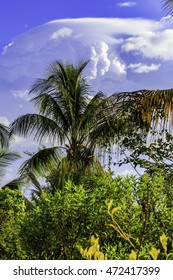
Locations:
128 214
6 157
12 211
78 126
4 136
152 156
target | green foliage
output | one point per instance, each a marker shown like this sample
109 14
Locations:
152 216
152 154
4 136
6 157
55 223
128 214
12 212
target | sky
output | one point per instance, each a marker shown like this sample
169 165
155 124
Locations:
129 44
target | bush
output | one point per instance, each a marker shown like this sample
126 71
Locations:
12 212
126 213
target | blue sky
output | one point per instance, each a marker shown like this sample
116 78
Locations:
129 44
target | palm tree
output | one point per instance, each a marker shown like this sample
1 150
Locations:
78 126
75 123
168 7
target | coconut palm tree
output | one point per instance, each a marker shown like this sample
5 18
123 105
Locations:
168 7
75 124
78 126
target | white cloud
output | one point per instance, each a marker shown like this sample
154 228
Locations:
94 58
111 45
143 68
151 44
4 121
60 33
118 66
126 4
104 63
100 62
23 94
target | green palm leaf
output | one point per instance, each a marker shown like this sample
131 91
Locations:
37 188
6 157
52 107
40 127
4 136
40 162
15 184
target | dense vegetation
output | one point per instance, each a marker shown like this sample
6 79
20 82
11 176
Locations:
140 212
81 200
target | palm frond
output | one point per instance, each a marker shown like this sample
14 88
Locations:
40 127
15 184
6 157
37 188
123 113
90 116
40 162
4 136
107 121
73 88
51 107
35 181
41 86
167 7
152 106
63 96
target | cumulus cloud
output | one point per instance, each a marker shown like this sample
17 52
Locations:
118 66
126 4
152 44
100 62
143 68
